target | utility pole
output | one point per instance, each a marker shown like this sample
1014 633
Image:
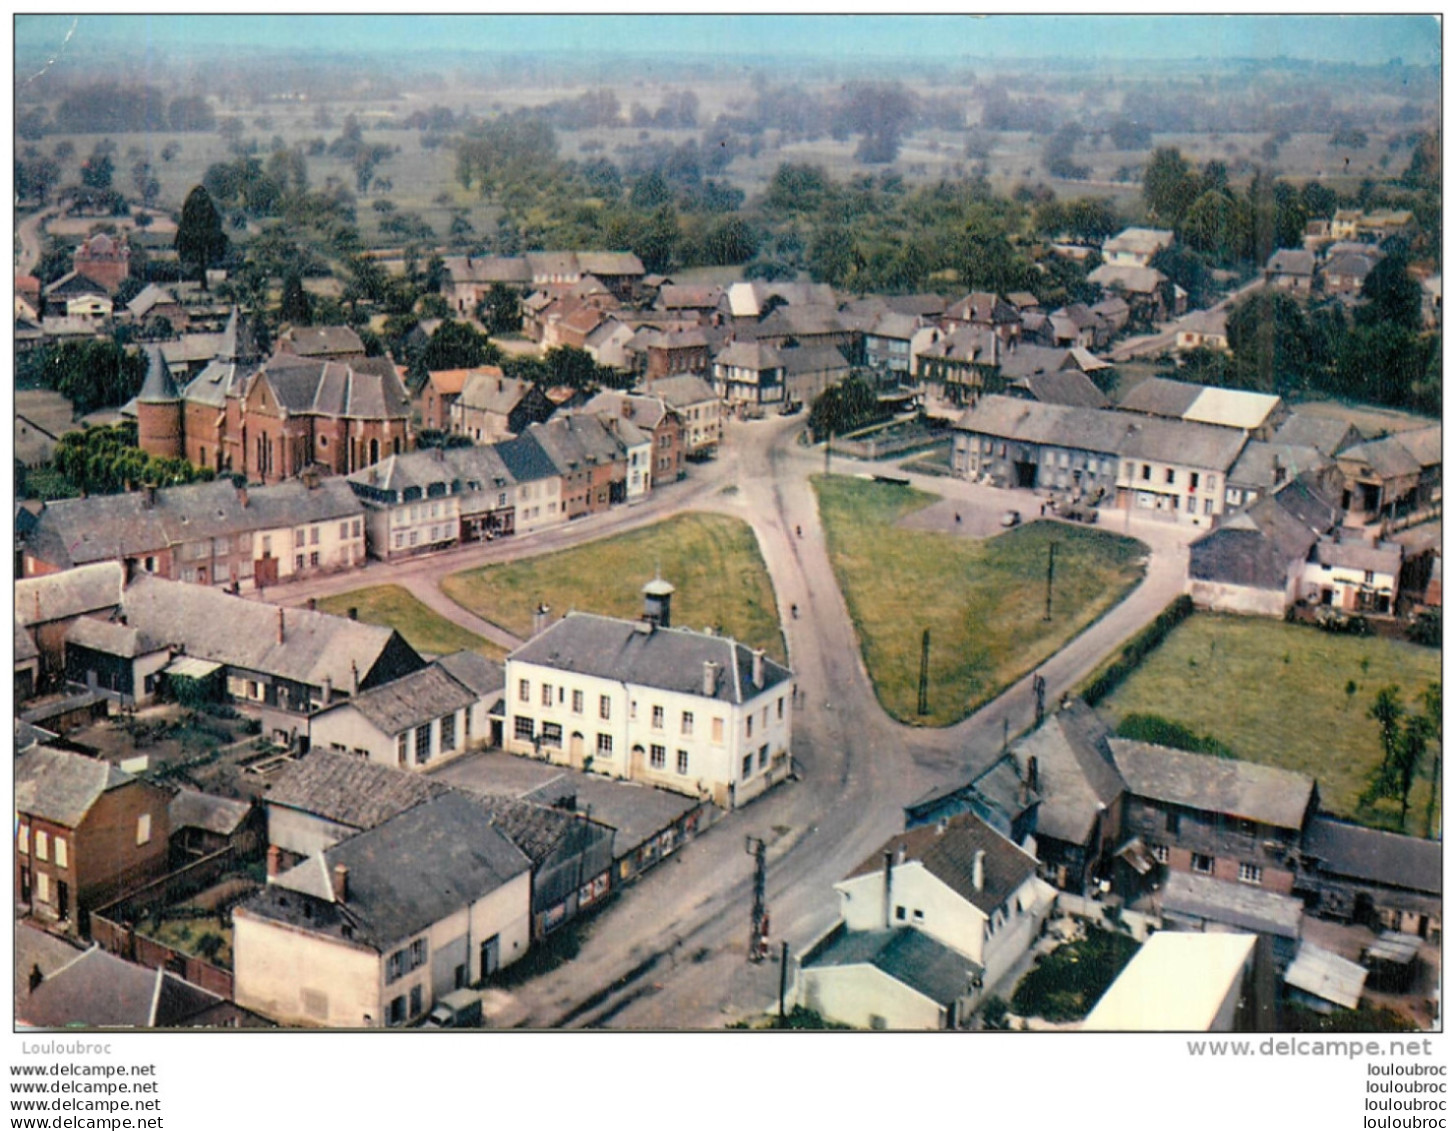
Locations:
1038 688
758 924
922 706
783 982
828 443
1051 570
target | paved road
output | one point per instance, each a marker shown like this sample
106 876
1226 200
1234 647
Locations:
670 952
1151 345
29 239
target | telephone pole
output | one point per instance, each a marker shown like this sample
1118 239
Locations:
758 924
922 706
1051 570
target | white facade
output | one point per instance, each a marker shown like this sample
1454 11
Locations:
923 901
868 998
539 505
345 730
327 545
694 744
1182 493
639 468
304 978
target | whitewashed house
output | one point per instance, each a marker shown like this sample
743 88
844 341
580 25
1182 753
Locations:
688 711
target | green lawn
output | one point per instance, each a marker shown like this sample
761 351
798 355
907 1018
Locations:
712 559
1275 694
983 601
425 630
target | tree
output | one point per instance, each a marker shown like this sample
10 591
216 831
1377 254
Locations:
1388 712
500 310
1431 704
97 171
458 345
1216 226
1169 186
1391 295
1413 739
842 408
200 239
295 308
92 373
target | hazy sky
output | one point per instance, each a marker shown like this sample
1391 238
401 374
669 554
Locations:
1360 39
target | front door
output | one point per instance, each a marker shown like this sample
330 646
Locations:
489 956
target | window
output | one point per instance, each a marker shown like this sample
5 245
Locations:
394 967
298 538
42 887
578 702
1202 864
313 535
424 747
525 728
144 829
748 726
43 845
416 1000
682 761
1193 480
1160 852
22 840
61 861
1147 471
546 695
604 707
551 735
747 766
1248 874
1192 505
1174 819
1169 475
356 527
414 538
524 693
447 732
604 746
396 1015
297 561
658 717
419 951
718 730
899 913
343 531
403 748
1127 469
918 915
313 558
659 757
687 722
781 708
1207 506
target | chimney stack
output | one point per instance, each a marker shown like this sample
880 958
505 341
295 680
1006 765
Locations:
758 667
243 497
280 626
710 676
354 682
327 689
1031 773
978 870
149 495
275 860
341 883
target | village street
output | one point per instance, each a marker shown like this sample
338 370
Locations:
670 952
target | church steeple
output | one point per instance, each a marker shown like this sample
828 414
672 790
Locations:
159 409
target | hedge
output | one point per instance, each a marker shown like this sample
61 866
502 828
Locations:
1105 682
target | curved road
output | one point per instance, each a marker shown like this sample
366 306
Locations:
670 952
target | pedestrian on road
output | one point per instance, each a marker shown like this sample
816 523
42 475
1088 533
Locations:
958 518
794 609
799 530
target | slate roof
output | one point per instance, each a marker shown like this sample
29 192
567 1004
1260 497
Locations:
892 324
78 531
1324 434
1355 264
909 956
70 593
1231 788
610 263
749 355
488 269
1133 280
969 343
1372 856
1244 906
419 469
364 388
1255 548
1286 261
675 297
1139 241
158 387
949 853
25 648
1161 396
792 321
1384 558
111 638
147 298
812 359
984 308
576 441
671 659
1256 465
526 459
534 828
1302 498
410 701
238 358
1075 774
404 875
1213 323
193 809
322 341
60 786
348 790
645 411
100 991
213 625
481 675
1388 458
682 390
1064 387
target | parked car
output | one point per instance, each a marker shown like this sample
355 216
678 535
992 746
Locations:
458 1010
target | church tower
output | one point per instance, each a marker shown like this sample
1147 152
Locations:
159 410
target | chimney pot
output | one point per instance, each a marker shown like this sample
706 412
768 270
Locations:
889 864
275 860
354 680
243 497
978 870
758 667
341 883
710 677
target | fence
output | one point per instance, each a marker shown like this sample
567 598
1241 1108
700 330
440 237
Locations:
124 940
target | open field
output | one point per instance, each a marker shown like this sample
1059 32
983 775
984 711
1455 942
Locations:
1276 694
982 600
713 560
425 630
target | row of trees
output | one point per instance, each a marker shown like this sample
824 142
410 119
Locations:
106 460
1405 736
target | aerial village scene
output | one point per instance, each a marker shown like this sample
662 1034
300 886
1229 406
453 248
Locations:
674 523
